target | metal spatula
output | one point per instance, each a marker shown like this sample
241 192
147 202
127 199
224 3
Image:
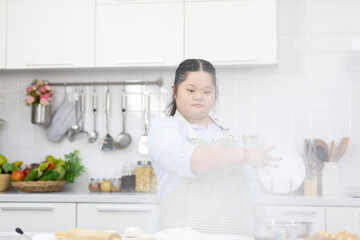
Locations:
108 141
143 142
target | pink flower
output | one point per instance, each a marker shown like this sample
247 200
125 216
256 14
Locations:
45 96
30 99
29 89
43 89
39 83
48 88
44 102
39 93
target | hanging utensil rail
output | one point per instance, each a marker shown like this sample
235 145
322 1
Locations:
159 82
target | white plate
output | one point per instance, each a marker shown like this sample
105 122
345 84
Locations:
288 176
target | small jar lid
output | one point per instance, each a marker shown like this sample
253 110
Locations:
144 163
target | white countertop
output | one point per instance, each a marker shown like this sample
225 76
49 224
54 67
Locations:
79 197
147 198
342 201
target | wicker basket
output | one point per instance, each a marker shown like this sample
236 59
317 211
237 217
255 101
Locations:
38 186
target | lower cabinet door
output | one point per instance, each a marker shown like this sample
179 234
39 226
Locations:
343 219
117 217
37 217
316 215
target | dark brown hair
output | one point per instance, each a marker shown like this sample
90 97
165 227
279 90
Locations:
184 68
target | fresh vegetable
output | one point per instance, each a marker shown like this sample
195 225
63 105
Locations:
50 158
18 164
50 176
43 166
61 171
17 175
8 167
33 165
73 166
26 171
3 160
31 175
50 165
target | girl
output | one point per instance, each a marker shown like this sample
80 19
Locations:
205 179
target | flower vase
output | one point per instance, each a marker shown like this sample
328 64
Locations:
40 114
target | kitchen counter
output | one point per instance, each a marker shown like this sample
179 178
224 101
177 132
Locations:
79 197
340 201
147 198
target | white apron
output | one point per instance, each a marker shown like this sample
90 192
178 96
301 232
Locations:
213 202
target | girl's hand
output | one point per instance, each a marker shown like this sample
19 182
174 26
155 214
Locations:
260 158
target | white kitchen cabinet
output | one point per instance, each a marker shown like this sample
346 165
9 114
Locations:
139 33
50 34
117 217
2 32
316 215
343 219
37 217
242 32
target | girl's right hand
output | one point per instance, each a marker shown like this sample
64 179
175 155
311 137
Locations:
260 158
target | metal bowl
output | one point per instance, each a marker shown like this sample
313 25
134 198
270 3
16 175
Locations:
285 230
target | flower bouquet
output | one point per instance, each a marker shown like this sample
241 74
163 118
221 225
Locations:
39 95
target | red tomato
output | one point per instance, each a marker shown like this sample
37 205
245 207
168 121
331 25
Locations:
17 175
26 171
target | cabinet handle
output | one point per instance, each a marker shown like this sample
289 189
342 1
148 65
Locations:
299 212
124 209
70 62
244 60
9 208
138 61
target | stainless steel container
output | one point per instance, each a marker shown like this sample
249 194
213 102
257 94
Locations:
282 230
40 114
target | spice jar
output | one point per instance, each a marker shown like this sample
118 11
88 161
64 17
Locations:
153 182
143 176
128 178
94 185
115 184
106 185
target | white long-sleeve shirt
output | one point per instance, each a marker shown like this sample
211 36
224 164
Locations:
170 153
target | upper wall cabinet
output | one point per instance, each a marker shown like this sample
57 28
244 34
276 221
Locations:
242 32
139 33
50 33
2 32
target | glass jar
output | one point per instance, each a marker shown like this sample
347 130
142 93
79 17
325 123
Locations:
115 184
94 185
153 182
106 185
128 178
143 176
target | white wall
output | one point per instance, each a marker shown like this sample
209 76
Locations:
314 92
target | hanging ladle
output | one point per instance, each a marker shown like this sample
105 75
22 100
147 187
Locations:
94 134
123 139
108 141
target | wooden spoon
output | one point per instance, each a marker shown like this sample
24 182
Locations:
341 149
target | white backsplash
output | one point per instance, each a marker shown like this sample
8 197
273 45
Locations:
314 92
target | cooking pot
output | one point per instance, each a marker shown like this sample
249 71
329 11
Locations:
282 230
